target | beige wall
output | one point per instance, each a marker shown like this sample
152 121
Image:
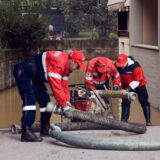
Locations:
147 56
124 45
149 60
150 23
135 22
91 48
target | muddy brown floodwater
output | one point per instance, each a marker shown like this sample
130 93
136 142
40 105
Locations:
10 106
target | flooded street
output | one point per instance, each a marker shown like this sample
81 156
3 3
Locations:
10 104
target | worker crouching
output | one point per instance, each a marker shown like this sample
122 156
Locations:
31 75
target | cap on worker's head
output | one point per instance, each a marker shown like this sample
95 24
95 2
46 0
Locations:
79 57
102 64
121 60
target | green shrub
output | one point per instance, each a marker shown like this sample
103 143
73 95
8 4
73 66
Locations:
25 35
19 30
113 36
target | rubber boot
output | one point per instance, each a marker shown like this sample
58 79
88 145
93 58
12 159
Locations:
125 114
28 135
147 114
44 129
45 124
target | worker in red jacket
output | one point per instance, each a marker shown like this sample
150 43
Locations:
133 79
53 67
98 72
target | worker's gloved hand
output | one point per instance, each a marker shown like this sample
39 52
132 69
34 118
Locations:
128 89
69 104
115 88
67 110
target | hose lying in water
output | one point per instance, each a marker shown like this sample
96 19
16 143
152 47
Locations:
70 126
103 144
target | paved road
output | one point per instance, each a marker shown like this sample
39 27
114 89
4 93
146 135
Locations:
50 149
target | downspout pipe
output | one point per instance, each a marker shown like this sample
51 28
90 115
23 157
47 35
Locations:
103 144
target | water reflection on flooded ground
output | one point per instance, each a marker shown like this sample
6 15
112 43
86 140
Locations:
10 103
10 110
137 115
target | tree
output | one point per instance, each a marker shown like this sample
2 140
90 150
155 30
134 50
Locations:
84 14
21 28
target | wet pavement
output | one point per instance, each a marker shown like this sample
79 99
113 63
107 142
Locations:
50 149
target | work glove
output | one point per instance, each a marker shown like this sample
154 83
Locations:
115 88
67 108
128 89
67 111
69 104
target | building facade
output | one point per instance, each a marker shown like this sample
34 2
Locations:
143 41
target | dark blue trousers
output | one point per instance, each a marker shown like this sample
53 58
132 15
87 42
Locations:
143 100
31 90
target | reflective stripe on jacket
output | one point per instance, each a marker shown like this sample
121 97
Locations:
92 76
56 68
132 75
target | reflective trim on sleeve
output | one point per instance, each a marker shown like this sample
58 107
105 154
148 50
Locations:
96 82
44 64
117 75
134 84
89 78
43 109
54 75
28 108
65 78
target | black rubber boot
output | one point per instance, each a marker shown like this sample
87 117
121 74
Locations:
45 124
125 114
147 114
44 129
29 136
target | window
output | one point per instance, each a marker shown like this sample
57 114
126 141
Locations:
123 23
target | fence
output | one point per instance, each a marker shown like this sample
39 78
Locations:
81 27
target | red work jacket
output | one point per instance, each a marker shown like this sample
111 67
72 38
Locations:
132 75
56 68
92 75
